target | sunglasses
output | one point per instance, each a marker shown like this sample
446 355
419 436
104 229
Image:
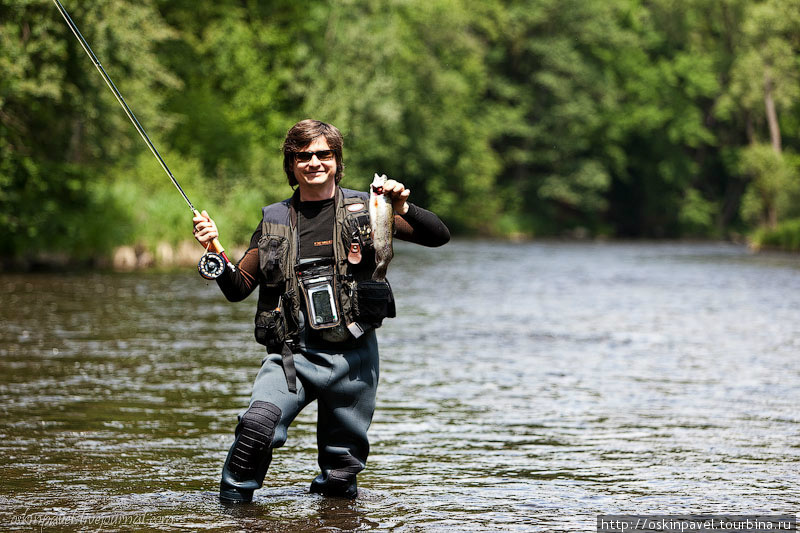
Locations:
322 155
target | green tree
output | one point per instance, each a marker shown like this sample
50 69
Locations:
668 74
549 90
624 117
404 82
60 127
773 182
765 79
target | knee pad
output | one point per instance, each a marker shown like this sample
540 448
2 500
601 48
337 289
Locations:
256 430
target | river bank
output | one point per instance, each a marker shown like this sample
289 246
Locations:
166 256
128 258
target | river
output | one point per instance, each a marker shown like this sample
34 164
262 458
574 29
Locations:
524 387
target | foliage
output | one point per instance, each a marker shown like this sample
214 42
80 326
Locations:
403 79
774 182
785 236
657 118
59 125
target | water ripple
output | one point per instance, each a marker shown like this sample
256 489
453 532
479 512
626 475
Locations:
524 387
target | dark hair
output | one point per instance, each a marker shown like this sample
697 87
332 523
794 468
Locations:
301 134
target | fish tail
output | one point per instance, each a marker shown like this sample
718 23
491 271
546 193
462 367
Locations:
382 266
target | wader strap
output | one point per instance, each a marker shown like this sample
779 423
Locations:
288 368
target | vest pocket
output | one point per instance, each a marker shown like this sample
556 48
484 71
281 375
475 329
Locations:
270 330
373 301
273 257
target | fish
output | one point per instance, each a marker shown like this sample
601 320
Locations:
381 220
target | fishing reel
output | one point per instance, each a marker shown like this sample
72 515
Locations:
211 265
214 262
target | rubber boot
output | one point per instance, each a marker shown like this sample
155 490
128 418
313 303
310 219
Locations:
250 455
335 486
235 490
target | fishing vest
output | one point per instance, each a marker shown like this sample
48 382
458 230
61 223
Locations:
361 303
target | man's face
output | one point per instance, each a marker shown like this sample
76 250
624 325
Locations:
316 173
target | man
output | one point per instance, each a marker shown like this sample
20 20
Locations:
312 259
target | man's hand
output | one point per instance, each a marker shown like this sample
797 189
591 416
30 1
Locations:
205 230
399 194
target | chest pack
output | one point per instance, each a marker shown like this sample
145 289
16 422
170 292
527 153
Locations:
334 297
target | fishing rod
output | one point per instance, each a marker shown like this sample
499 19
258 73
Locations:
213 262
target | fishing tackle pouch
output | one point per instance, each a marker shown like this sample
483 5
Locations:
271 330
373 301
317 282
273 255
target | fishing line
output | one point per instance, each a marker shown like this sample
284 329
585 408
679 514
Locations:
213 263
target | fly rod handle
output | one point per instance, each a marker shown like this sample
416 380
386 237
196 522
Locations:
215 245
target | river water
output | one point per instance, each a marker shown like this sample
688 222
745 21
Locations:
524 387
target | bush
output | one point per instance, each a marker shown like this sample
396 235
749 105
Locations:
786 236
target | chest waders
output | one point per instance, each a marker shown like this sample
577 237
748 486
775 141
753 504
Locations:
335 363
